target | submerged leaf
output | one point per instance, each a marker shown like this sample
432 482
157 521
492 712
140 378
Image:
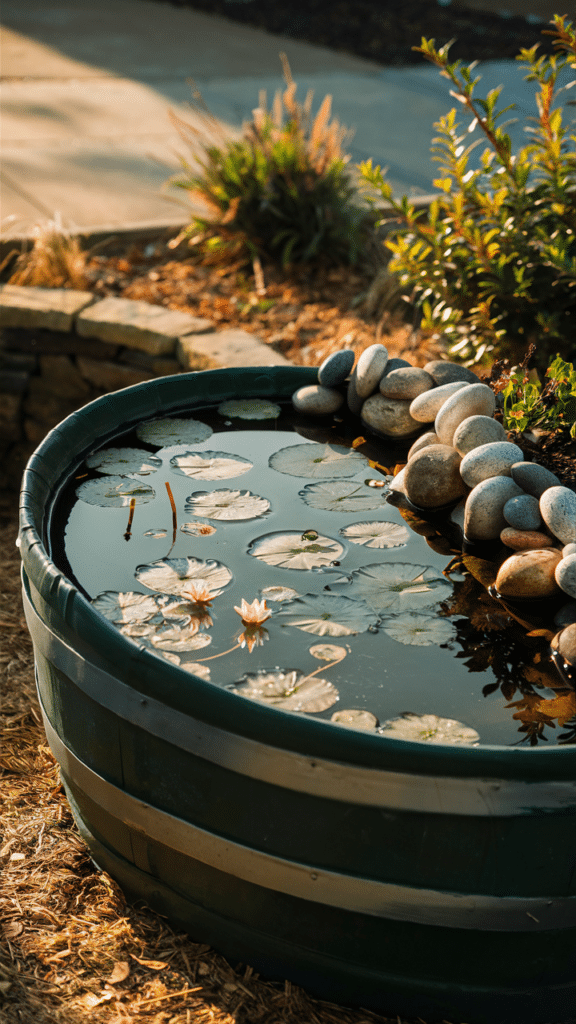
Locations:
202 671
289 551
392 587
342 496
377 534
198 529
355 718
279 594
209 465
156 534
123 461
115 492
169 637
327 615
429 729
226 505
167 431
419 630
328 652
289 690
250 409
317 460
171 575
129 607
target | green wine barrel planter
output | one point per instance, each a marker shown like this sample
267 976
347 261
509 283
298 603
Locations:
423 880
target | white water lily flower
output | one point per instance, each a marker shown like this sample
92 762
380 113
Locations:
355 718
172 575
419 630
289 690
317 460
342 496
115 492
279 594
167 431
226 505
327 615
253 613
384 534
128 607
209 465
328 652
393 587
429 729
249 409
290 551
123 461
171 638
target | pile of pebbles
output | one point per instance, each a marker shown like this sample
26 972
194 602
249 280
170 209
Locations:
461 460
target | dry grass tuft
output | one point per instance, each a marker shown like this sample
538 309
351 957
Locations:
56 260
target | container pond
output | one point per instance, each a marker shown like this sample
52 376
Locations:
288 720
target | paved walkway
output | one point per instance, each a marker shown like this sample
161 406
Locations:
87 89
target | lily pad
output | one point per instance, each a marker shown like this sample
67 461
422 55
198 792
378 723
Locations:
198 529
226 505
290 551
342 496
429 729
384 534
170 637
317 460
419 630
129 607
392 587
115 492
289 690
156 534
123 461
202 671
327 615
209 465
279 594
355 718
167 431
171 575
328 652
250 409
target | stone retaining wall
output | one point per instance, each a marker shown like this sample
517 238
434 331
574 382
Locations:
60 349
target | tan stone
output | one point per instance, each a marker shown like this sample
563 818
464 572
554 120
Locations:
522 540
432 477
529 574
51 308
111 376
139 325
63 377
232 347
43 405
10 417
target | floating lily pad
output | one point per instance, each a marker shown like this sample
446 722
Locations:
429 729
123 461
279 594
226 505
250 409
198 529
170 637
328 652
317 460
164 432
202 671
342 496
355 718
115 492
156 534
393 587
289 690
419 630
171 575
129 607
377 534
327 615
209 465
290 551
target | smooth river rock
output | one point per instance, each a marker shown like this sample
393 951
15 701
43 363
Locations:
316 400
566 575
522 540
475 431
569 549
566 615
335 368
444 372
565 644
407 383
494 459
558 510
532 478
426 406
422 442
353 399
523 513
389 416
395 363
432 477
529 574
484 512
369 369
472 400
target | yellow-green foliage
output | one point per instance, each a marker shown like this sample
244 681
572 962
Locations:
495 259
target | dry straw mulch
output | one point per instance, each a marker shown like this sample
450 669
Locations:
71 948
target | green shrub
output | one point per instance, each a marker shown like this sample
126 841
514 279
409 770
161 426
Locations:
526 404
281 191
493 263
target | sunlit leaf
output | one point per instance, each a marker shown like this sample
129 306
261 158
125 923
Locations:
327 615
342 496
289 690
533 708
289 551
226 505
356 718
328 652
168 431
198 529
171 575
209 465
128 607
278 594
123 461
250 409
393 587
317 460
419 630
377 534
115 492
429 729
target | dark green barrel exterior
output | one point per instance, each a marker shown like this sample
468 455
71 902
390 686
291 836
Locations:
430 881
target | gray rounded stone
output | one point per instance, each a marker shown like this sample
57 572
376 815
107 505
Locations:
523 512
565 644
426 406
369 369
316 400
396 363
566 575
444 372
422 442
475 431
532 478
407 383
335 368
432 477
472 400
558 510
484 511
389 416
353 400
569 549
494 459
566 615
